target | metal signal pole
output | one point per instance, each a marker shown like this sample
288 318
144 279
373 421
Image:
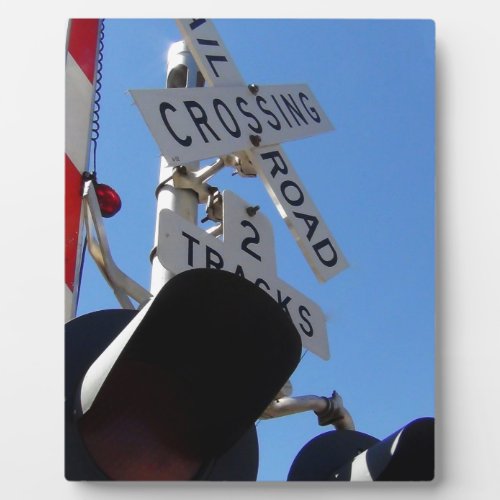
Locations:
82 60
182 71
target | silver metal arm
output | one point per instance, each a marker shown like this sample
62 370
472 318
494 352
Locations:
290 405
329 410
123 286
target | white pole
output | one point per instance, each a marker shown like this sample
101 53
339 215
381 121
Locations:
182 71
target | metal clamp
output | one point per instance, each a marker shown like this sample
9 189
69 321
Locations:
183 178
334 413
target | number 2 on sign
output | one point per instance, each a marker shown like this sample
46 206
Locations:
251 240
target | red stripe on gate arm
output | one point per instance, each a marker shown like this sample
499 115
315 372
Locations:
73 204
82 44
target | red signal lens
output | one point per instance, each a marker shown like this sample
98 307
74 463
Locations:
109 200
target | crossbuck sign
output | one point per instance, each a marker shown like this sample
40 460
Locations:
229 117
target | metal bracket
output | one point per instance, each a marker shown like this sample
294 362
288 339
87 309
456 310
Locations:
213 209
335 413
123 286
241 163
183 178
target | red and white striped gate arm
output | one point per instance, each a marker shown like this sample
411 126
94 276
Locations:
81 63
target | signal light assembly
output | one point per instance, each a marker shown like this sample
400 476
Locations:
109 200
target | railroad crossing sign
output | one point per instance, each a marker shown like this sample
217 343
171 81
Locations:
249 253
251 121
190 124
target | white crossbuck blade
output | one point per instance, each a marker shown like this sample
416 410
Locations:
196 123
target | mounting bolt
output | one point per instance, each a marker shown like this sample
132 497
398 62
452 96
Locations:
251 211
182 170
255 140
253 88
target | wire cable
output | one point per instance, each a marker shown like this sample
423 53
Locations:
97 99
93 138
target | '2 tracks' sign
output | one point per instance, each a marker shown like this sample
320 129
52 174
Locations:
248 251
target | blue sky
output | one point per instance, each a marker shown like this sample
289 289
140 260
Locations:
372 180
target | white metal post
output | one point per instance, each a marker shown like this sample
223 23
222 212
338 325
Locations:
182 71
